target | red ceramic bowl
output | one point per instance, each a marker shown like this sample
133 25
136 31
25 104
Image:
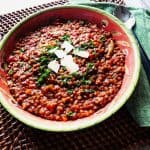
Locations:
121 34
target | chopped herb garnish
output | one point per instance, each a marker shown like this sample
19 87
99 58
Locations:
70 91
29 66
43 60
78 83
102 38
86 82
71 114
64 68
85 46
89 91
69 21
47 55
5 66
90 66
52 56
44 52
22 50
65 37
75 74
65 79
94 52
52 50
91 44
10 72
83 22
49 48
43 76
41 68
21 64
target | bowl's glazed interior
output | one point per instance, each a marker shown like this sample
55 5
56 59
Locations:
123 38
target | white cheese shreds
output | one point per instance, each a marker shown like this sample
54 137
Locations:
72 67
84 54
67 46
60 53
68 62
54 66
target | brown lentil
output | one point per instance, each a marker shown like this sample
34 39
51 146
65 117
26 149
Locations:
69 98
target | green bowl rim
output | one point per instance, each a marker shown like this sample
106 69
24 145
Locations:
109 113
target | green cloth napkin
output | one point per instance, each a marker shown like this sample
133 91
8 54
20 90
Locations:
139 103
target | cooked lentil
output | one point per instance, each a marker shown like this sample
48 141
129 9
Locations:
63 96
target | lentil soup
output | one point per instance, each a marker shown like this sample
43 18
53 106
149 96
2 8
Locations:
66 70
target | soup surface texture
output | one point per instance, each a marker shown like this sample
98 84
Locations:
66 70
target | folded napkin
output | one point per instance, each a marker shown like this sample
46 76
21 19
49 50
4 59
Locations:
139 103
